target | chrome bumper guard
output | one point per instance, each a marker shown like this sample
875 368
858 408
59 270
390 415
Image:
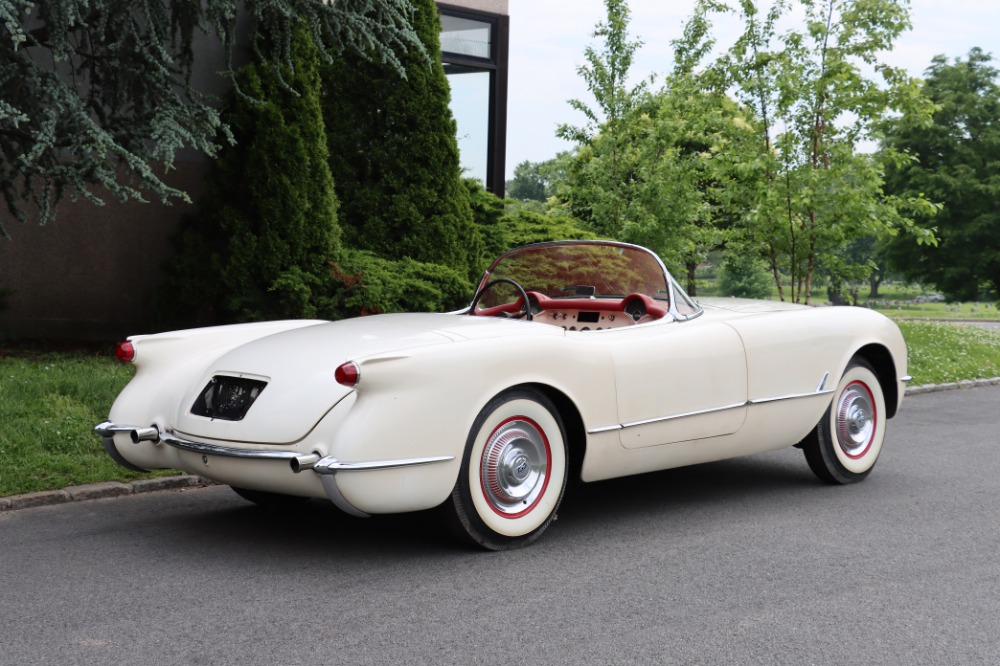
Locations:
327 468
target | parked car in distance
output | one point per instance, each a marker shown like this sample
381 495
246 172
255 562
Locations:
574 358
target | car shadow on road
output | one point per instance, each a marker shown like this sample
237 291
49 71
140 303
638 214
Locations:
219 523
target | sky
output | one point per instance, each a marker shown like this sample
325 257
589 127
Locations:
548 38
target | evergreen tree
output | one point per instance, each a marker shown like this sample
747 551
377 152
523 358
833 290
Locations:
260 243
94 94
394 156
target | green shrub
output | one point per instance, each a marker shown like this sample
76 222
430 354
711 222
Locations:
5 295
524 227
268 220
368 284
744 276
394 155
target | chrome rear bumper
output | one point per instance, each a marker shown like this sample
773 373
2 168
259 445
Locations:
326 467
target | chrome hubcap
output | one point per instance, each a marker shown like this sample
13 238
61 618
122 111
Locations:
514 467
855 420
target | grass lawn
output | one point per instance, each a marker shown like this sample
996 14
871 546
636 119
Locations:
941 352
50 402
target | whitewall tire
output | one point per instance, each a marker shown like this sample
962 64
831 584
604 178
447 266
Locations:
513 473
848 439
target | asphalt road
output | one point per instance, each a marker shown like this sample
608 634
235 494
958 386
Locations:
749 561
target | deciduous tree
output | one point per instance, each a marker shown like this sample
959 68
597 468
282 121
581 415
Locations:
812 190
956 162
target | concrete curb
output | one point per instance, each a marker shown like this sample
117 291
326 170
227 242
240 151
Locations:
951 386
102 490
116 489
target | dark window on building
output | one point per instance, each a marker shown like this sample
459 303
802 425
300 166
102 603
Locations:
474 52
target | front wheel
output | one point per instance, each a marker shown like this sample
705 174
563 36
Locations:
513 472
846 443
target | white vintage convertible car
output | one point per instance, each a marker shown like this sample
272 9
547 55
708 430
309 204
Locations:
576 358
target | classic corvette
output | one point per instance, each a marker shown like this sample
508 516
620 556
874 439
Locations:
574 358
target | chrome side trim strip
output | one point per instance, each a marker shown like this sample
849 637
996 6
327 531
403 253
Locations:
685 415
609 428
907 379
757 401
791 396
632 424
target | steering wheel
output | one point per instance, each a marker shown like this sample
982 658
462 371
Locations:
525 305
635 308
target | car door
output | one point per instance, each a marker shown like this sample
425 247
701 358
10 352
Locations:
678 381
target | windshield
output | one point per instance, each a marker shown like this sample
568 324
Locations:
574 270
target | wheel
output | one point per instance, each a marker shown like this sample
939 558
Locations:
848 439
525 305
270 501
513 472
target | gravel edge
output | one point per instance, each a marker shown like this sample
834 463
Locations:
116 489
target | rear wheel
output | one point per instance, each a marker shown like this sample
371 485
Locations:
513 472
848 439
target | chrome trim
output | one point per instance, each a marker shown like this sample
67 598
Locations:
660 419
109 446
150 434
333 492
791 396
757 401
330 465
304 462
822 382
109 428
327 468
672 417
907 379
609 428
169 438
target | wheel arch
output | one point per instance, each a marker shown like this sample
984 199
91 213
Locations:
880 358
576 434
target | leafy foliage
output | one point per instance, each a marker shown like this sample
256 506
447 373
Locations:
525 227
394 156
94 95
536 181
955 160
259 245
600 180
744 276
655 170
368 284
809 191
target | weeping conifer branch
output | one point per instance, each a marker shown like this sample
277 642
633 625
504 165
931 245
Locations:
97 96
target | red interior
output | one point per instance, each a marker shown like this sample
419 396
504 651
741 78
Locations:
653 308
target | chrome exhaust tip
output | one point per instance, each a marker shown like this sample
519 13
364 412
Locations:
304 462
150 434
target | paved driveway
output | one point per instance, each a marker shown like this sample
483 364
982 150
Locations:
748 561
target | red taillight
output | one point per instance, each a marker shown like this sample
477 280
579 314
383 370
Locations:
125 352
348 374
